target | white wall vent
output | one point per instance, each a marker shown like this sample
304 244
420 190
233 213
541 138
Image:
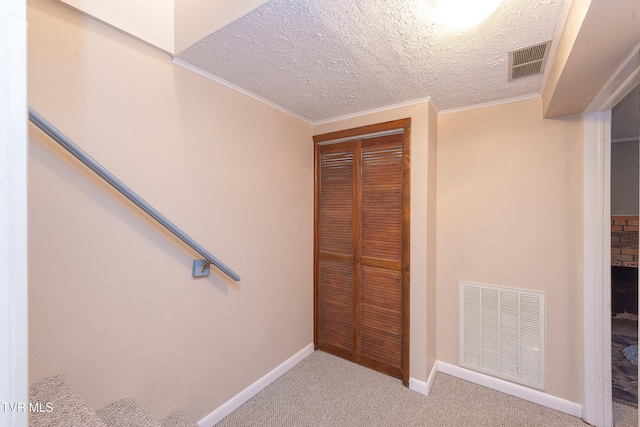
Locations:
528 61
502 333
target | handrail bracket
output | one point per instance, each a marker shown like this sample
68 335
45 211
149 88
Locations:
201 267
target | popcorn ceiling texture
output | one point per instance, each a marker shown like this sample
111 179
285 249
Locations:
324 59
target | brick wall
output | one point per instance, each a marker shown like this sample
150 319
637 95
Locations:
624 241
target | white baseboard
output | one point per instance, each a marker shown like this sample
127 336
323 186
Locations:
535 396
246 394
421 386
432 376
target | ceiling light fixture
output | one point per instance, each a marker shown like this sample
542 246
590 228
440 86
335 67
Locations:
463 14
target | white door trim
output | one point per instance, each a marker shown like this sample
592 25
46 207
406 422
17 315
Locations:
597 269
626 77
13 215
596 262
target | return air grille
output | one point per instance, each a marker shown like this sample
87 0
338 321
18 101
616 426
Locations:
502 333
529 61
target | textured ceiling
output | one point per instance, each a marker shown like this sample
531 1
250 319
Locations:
324 59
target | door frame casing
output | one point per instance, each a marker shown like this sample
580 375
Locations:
597 404
596 262
364 132
14 364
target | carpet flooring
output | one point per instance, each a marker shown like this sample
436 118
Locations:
63 406
324 390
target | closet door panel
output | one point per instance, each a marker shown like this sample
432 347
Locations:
382 202
362 246
381 317
335 233
382 244
336 307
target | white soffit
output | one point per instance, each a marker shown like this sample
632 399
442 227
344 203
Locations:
148 20
169 25
323 59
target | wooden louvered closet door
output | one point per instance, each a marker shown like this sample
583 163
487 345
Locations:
361 249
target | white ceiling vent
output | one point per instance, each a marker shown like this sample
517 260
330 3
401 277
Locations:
528 61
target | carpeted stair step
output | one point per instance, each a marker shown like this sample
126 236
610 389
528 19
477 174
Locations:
126 413
178 419
59 405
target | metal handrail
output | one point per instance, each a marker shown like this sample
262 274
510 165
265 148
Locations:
200 267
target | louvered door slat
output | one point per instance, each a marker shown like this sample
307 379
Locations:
381 324
336 201
335 234
336 306
382 203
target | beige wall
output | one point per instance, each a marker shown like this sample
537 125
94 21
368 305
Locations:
509 214
422 147
112 301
